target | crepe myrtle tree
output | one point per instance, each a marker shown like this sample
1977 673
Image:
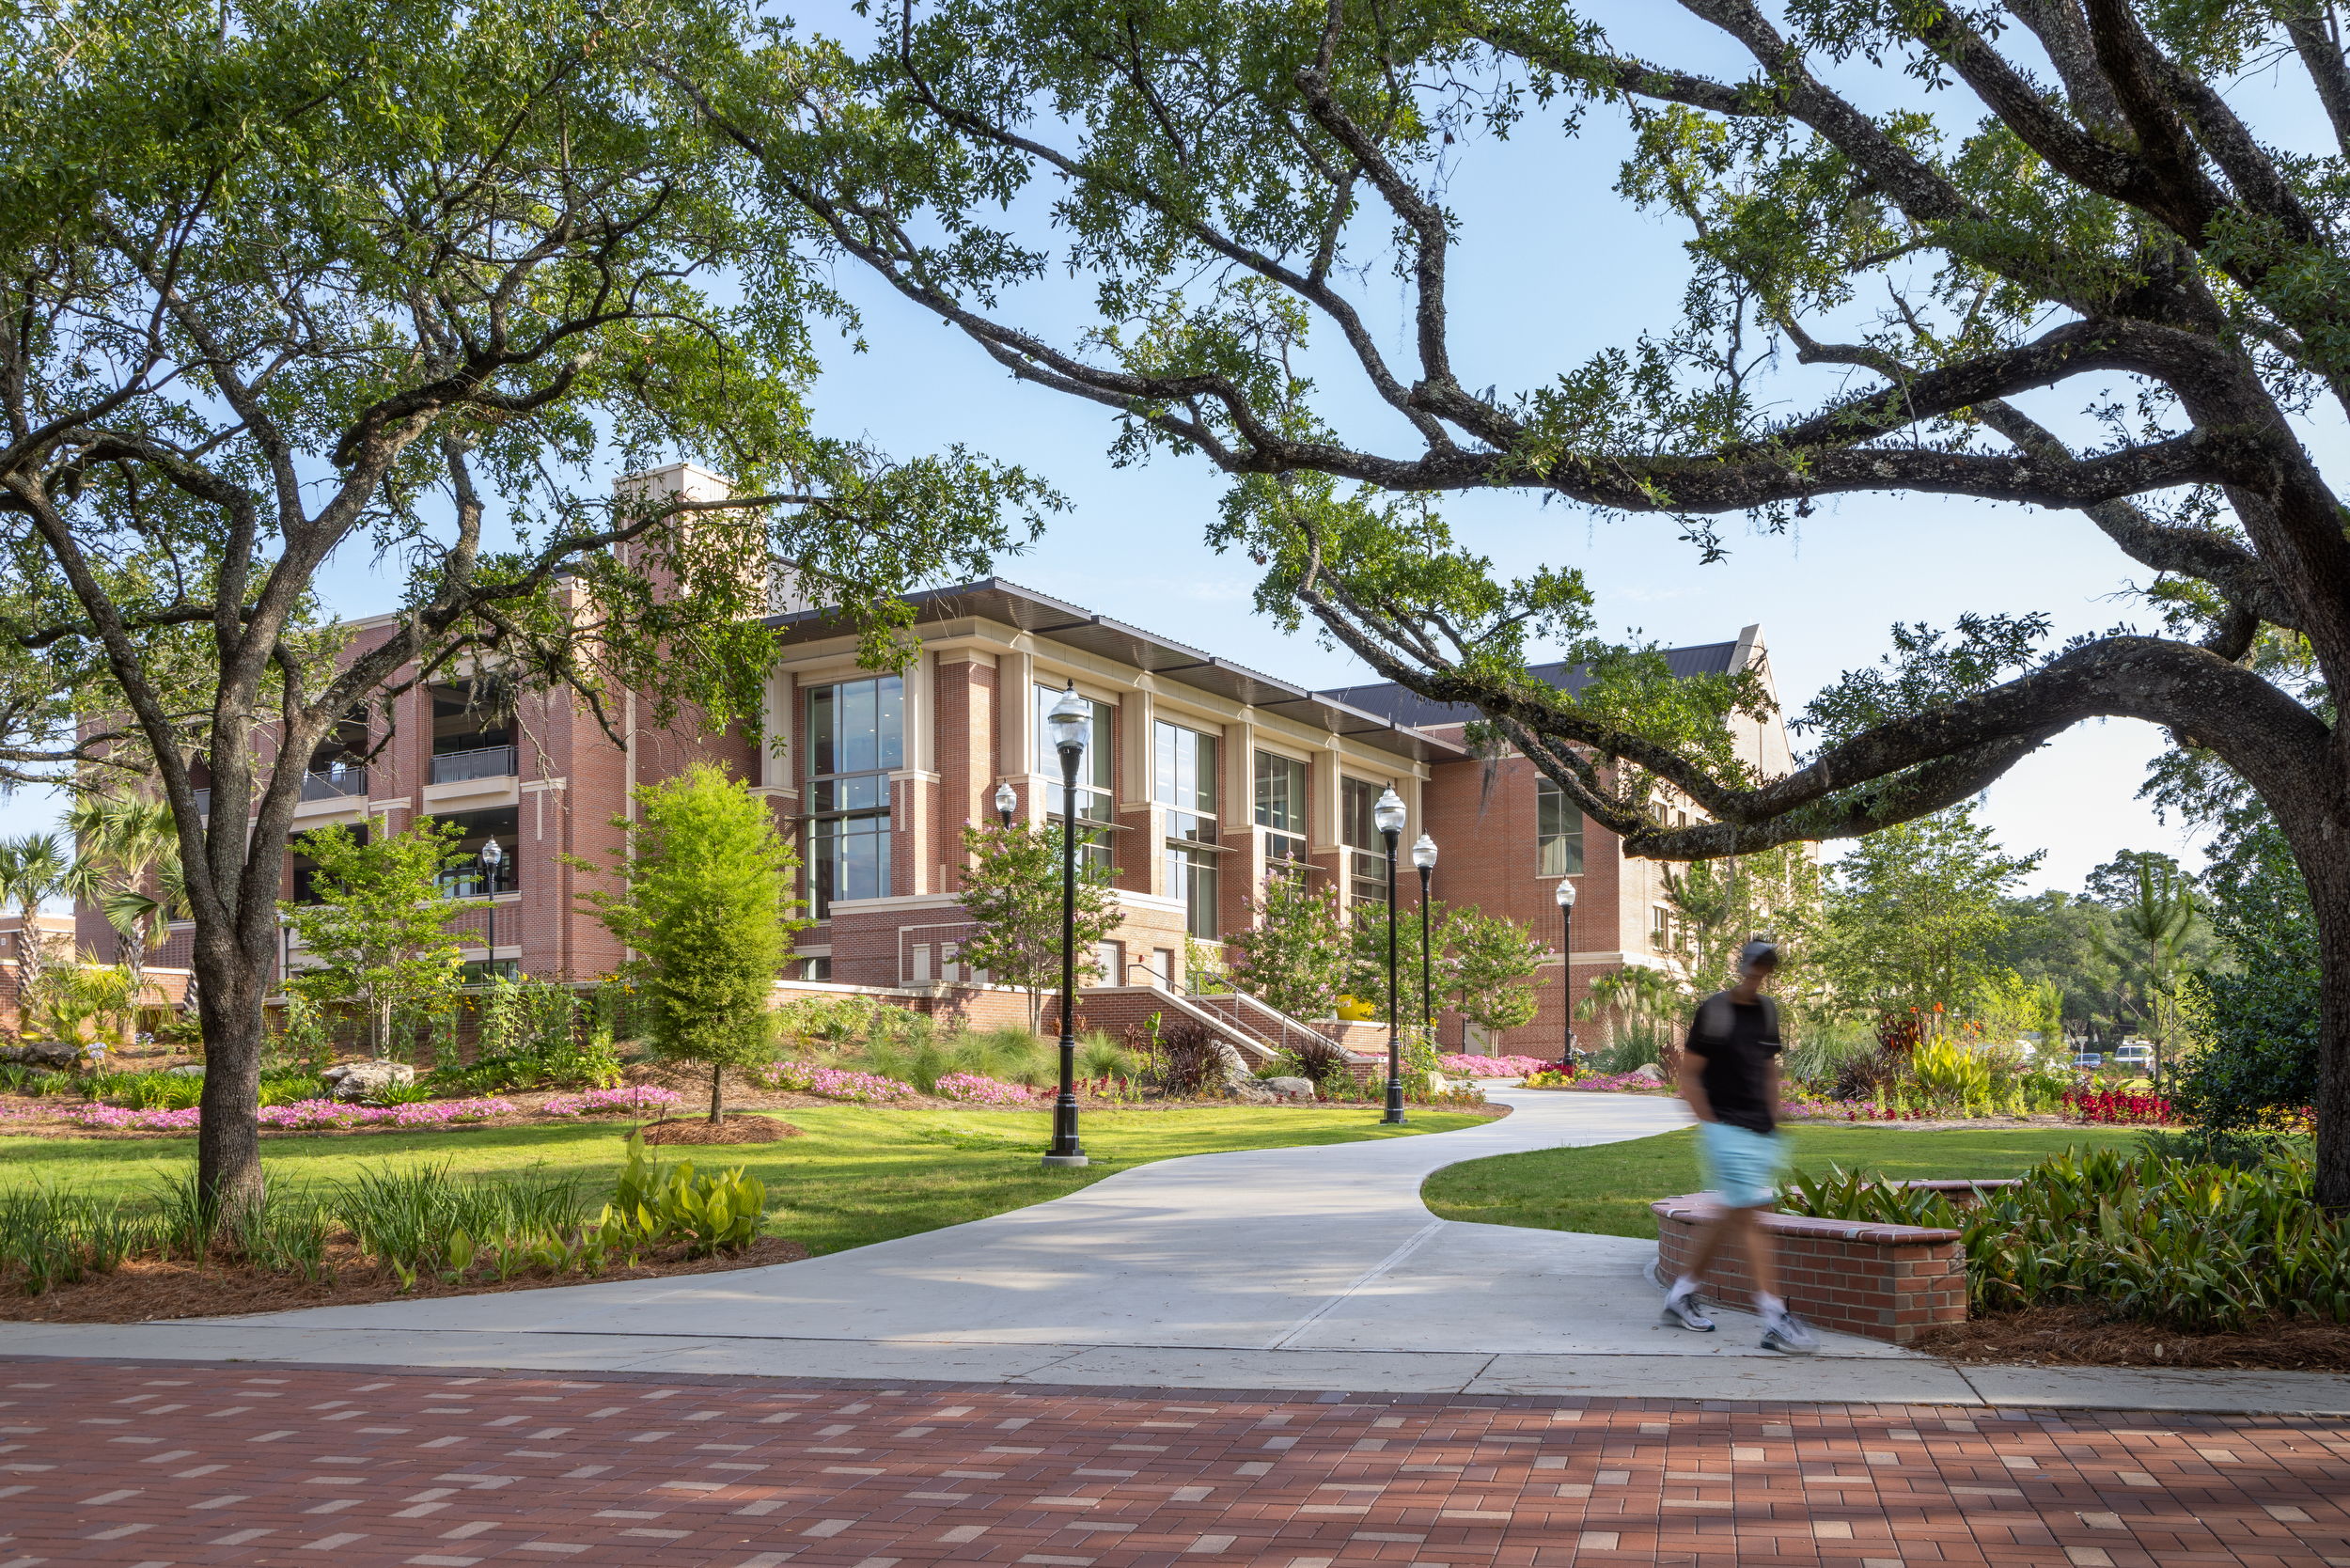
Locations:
409 279
1919 240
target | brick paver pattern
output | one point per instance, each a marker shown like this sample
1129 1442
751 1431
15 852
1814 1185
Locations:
251 1464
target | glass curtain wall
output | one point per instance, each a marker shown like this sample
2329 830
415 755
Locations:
1186 768
1365 852
1097 812
1281 811
855 739
1558 832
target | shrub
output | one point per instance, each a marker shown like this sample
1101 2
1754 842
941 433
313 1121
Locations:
1320 1062
834 1020
2202 1247
1100 1057
708 1212
706 901
1188 1062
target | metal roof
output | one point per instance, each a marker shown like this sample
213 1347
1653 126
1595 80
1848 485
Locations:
1406 706
1040 615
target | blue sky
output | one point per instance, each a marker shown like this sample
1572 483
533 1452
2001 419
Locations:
1551 267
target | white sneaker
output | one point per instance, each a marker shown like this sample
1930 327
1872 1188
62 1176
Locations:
1788 1333
1681 1311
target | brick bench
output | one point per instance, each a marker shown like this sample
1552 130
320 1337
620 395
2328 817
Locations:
1886 1281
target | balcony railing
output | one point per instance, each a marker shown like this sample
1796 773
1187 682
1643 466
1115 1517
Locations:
491 761
330 786
472 881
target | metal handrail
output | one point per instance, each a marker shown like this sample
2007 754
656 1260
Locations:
330 786
489 762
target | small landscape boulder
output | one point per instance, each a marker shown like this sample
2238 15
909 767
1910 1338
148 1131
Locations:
43 1052
185 1070
1290 1088
359 1079
1650 1070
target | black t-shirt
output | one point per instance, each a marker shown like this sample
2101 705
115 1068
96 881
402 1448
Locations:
1736 1042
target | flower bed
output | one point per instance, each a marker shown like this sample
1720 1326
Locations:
636 1097
864 1088
973 1089
1493 1067
302 1116
1617 1083
2119 1106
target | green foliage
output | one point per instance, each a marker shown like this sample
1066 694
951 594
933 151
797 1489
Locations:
2259 1067
921 1056
706 900
129 862
1011 886
2202 1247
534 1034
1296 953
1638 1008
73 999
379 933
1911 909
652 1206
1492 958
1100 1057
833 1020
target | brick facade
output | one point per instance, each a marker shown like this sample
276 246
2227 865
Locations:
969 726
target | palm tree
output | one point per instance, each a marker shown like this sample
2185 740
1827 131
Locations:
2152 930
34 870
130 854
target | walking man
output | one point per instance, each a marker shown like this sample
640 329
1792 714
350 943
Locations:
1730 1081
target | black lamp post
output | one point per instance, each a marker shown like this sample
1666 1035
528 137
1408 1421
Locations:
1067 725
1389 817
1424 857
1006 802
1566 969
492 857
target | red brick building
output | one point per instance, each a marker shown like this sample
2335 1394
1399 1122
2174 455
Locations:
1201 776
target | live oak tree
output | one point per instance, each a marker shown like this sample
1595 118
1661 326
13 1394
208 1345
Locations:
1920 240
282 284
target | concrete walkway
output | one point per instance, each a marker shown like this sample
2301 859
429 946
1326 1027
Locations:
1280 1269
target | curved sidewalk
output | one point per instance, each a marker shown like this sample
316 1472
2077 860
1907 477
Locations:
1288 1268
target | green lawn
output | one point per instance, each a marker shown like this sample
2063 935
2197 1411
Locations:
1607 1189
859 1175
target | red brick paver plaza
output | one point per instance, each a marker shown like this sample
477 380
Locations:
250 1463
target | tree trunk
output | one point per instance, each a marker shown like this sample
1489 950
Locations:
231 985
2326 866
717 1093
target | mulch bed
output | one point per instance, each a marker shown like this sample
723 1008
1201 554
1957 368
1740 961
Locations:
147 1290
2086 1337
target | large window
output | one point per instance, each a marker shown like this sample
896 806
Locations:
1185 771
1558 832
1281 809
855 737
1097 812
1367 853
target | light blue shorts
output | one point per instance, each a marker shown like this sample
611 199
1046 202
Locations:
1743 1168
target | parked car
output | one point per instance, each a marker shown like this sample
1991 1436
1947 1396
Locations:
2133 1055
2089 1060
